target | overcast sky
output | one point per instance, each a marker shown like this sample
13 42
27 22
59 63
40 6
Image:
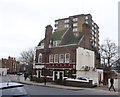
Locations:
23 22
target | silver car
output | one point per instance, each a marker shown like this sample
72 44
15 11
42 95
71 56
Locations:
12 89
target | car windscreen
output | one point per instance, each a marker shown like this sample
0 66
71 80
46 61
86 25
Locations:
14 91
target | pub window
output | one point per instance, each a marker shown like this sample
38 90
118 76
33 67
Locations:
40 58
67 58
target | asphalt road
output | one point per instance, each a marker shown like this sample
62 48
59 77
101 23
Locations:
41 90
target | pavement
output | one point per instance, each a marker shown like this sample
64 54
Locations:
20 79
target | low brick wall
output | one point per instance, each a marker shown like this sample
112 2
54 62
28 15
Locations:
36 79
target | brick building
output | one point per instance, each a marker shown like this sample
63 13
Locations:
55 55
12 65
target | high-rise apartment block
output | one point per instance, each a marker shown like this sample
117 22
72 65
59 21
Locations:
76 22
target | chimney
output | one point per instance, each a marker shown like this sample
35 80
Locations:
48 35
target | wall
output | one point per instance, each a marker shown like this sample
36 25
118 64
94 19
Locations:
12 64
89 74
84 57
3 71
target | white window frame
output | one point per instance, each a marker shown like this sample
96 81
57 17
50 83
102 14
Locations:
56 58
67 58
95 30
95 26
56 27
42 45
75 25
95 44
92 28
75 29
75 19
61 58
66 21
93 33
51 58
56 43
40 58
76 34
66 26
86 22
86 17
56 22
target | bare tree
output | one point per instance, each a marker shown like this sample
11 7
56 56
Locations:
27 58
108 52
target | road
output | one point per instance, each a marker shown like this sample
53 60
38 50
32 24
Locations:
42 90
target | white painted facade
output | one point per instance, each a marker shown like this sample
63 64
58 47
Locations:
3 71
85 58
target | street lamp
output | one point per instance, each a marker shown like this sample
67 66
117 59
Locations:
44 76
45 56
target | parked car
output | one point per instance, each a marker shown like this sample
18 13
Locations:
82 79
19 73
13 89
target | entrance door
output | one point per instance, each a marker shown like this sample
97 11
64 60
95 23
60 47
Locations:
61 75
55 76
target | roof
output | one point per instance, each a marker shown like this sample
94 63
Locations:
42 41
75 39
58 34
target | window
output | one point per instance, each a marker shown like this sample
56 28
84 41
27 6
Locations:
66 26
56 43
95 35
61 58
50 58
67 58
86 22
95 26
42 45
75 29
66 21
86 17
95 30
56 22
40 58
56 58
56 27
75 19
95 39
95 44
75 24
92 33
76 34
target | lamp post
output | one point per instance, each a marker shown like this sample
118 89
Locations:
45 58
44 72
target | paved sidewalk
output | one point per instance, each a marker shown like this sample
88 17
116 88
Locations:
49 84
